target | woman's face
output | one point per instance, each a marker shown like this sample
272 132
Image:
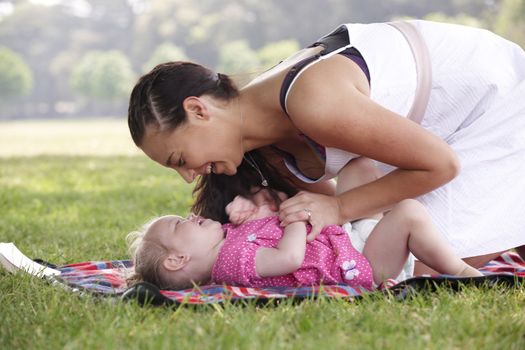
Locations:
199 146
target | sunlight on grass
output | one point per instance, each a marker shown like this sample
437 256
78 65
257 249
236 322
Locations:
98 137
83 193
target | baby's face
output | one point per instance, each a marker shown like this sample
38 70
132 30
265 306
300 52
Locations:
193 235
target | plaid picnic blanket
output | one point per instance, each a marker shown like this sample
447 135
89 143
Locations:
107 278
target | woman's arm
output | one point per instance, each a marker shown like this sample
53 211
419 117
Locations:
287 257
330 105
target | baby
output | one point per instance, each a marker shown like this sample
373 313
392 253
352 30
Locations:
255 251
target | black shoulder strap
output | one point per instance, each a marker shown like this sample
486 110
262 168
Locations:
333 41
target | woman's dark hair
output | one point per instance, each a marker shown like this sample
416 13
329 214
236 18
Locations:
158 95
214 191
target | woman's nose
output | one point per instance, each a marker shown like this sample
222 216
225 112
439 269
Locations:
187 174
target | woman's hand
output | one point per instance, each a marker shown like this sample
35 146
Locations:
318 209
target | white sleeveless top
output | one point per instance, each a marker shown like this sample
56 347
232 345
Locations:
476 105
394 89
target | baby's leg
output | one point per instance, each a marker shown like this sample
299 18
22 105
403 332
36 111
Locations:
408 227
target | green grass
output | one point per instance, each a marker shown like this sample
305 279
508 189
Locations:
100 137
70 208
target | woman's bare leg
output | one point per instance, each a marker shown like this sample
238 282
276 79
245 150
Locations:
476 261
409 228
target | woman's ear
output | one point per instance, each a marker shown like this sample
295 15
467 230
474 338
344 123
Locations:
174 262
195 108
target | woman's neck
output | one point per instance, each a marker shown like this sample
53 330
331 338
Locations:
264 123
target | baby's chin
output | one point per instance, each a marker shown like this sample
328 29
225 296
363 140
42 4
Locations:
267 210
217 229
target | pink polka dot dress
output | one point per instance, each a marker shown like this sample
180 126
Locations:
329 259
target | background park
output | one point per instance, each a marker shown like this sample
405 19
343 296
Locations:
72 184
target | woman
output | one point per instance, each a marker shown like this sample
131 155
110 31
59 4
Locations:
347 96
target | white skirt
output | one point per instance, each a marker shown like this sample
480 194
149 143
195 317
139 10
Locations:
483 209
477 106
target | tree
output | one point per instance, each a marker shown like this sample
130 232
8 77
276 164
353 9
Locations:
273 53
510 21
237 57
105 75
163 53
16 78
462 19
54 36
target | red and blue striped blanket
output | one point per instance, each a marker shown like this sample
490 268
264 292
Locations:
108 278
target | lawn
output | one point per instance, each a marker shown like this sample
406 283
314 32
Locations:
66 201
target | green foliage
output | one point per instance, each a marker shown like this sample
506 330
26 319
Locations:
52 39
273 53
164 53
16 78
510 21
105 75
237 57
462 19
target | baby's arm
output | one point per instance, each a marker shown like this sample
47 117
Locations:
259 206
287 257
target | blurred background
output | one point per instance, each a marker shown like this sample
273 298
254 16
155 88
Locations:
80 58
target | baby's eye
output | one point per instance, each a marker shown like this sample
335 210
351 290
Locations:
180 162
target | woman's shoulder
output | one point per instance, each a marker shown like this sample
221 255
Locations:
336 74
278 71
307 87
323 91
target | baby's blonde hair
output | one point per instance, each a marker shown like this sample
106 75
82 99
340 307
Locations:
148 255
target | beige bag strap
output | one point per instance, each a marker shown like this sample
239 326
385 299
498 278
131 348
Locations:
423 68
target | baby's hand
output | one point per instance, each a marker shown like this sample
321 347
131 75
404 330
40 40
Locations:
240 210
259 206
263 197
